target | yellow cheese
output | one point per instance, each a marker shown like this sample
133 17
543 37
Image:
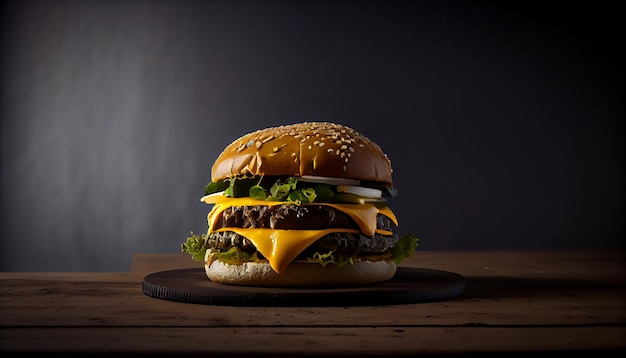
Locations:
280 247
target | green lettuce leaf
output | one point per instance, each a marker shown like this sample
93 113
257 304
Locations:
232 256
289 189
195 246
404 248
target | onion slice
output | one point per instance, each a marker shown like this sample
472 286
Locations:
360 191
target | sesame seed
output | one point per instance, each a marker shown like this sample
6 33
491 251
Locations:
322 144
344 168
275 149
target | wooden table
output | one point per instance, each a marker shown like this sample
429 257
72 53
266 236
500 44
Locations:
514 302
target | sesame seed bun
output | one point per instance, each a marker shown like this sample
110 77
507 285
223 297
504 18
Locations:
305 149
300 274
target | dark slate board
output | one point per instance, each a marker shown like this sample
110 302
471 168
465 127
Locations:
409 285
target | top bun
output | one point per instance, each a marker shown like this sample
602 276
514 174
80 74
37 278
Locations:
305 149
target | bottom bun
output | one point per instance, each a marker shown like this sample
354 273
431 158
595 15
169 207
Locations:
300 274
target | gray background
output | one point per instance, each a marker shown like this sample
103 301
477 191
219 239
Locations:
503 119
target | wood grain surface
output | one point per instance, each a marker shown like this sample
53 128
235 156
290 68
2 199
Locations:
528 301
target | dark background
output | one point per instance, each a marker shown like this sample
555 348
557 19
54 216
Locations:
504 120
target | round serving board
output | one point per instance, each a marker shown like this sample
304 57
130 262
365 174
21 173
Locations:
409 285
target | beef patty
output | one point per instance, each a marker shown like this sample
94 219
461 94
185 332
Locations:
301 217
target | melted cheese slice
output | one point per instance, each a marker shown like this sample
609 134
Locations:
280 247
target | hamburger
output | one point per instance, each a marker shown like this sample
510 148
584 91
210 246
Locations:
300 205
